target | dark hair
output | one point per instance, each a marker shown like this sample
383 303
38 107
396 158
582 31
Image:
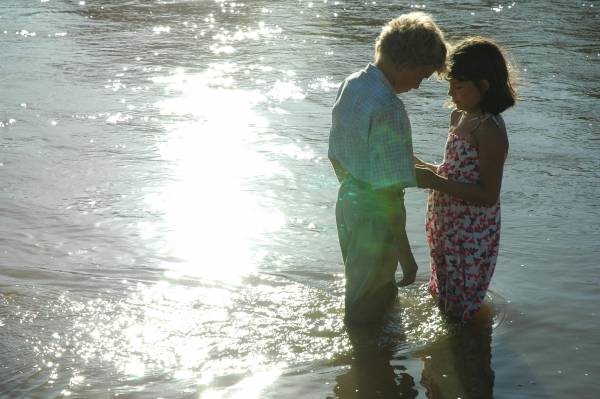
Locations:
478 58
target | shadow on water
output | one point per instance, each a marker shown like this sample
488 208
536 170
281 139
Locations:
457 366
374 371
460 367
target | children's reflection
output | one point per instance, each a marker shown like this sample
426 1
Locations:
457 366
371 373
460 366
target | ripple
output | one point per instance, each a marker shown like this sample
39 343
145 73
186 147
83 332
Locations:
168 329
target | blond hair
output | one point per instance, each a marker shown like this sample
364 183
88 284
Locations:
412 39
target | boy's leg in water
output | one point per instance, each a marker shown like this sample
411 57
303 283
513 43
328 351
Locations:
370 254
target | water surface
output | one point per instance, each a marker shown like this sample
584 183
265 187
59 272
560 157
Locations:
166 205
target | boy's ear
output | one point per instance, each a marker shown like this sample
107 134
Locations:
483 85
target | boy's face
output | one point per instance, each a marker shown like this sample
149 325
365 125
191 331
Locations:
408 77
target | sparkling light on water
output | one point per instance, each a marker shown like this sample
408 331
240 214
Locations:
168 203
213 218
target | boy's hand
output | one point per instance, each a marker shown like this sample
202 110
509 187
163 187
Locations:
409 275
417 161
425 177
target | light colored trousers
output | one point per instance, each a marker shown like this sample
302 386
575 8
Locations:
368 228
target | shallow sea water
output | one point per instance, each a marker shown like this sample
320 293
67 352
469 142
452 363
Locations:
167 207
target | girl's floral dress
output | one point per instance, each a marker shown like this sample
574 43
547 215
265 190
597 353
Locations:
463 237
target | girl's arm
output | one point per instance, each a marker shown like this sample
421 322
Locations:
493 145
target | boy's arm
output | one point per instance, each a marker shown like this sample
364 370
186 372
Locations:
406 258
340 171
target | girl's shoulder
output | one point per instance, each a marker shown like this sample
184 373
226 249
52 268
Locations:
492 124
492 129
497 120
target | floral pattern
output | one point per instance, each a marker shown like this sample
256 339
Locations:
463 237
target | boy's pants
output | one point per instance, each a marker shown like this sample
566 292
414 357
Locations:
368 224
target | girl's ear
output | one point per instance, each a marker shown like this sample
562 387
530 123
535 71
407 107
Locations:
483 85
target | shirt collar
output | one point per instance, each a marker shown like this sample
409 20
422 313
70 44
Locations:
373 71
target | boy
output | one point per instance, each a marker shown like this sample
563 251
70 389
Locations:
370 148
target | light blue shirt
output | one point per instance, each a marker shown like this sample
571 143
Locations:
370 132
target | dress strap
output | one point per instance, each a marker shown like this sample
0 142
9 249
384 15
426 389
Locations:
496 118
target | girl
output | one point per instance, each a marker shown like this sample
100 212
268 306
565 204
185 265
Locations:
463 213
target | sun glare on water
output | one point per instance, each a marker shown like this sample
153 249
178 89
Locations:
212 214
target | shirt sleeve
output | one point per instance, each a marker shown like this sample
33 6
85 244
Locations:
390 148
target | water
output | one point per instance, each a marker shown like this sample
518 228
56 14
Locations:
166 205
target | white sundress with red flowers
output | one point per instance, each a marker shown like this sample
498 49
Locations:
463 237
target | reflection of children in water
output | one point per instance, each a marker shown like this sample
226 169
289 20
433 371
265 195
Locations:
457 366
371 374
460 366
375 378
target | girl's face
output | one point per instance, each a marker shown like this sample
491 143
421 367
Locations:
465 95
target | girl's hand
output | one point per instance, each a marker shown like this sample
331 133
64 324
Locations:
419 163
